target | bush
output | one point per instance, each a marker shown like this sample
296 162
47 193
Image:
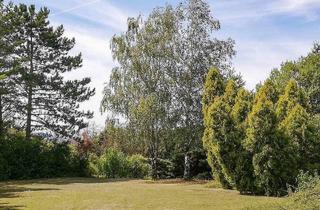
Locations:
307 195
115 164
138 166
37 158
307 181
165 169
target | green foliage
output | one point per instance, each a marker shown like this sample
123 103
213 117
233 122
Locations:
155 56
44 99
214 86
138 166
257 145
306 71
21 159
289 99
307 195
165 169
273 158
307 181
115 164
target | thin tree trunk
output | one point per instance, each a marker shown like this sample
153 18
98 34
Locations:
29 114
187 166
29 104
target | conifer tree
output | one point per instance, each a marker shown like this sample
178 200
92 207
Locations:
273 158
289 99
222 137
9 41
46 100
244 174
295 123
211 99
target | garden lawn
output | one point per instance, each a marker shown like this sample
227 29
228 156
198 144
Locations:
100 194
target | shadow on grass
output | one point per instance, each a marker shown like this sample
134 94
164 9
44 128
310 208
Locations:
64 181
6 206
13 191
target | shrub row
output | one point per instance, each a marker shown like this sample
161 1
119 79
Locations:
22 159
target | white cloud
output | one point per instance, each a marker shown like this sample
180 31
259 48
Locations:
255 59
97 64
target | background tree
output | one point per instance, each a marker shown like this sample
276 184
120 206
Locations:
196 50
138 88
306 72
296 124
46 100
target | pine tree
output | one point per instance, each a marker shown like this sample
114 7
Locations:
48 101
9 41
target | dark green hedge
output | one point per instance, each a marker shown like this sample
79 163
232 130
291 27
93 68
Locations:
22 159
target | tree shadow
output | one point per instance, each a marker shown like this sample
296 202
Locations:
11 191
6 206
65 181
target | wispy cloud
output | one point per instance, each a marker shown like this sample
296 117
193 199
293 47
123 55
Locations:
74 8
249 11
102 13
295 5
309 9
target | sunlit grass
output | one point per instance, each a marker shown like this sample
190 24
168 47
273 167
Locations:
99 194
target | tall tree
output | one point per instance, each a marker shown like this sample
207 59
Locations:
138 88
243 173
9 41
196 50
273 159
215 117
47 100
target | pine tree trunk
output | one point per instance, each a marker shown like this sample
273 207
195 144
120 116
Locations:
187 166
29 104
29 114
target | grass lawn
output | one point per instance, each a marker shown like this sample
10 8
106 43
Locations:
100 194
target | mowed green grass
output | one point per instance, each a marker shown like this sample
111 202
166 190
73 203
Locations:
100 194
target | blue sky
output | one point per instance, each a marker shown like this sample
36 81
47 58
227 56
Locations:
266 33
